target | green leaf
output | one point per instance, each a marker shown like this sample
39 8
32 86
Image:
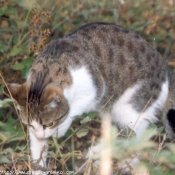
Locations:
23 66
15 51
10 11
4 159
69 132
159 37
8 151
82 132
25 4
5 102
1 11
160 129
4 136
92 115
3 48
86 120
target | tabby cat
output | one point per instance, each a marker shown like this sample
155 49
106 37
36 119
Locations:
99 67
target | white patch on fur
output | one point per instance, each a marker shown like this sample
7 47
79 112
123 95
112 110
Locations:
36 147
81 95
37 130
38 139
125 115
53 104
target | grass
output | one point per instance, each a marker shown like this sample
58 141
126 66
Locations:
26 27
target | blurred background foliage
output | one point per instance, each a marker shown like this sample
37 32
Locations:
26 26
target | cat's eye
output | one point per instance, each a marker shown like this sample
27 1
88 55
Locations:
49 125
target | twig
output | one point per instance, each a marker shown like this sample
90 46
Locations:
108 101
89 162
139 117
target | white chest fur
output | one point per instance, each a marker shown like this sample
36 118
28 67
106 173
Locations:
82 89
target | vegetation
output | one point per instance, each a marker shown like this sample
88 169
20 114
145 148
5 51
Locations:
25 28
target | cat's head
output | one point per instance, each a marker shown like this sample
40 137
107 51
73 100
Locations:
42 110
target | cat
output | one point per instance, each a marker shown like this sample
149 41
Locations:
99 67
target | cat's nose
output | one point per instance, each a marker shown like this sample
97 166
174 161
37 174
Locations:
40 134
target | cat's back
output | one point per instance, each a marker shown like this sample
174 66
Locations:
103 43
106 46
115 56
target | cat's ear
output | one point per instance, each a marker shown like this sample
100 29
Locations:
18 92
52 96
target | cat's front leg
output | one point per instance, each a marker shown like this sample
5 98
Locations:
38 148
